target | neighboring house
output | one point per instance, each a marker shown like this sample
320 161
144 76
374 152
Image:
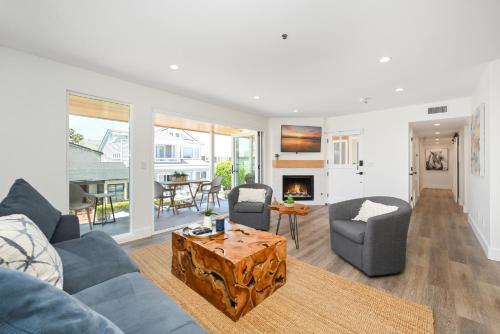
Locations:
115 147
87 168
177 150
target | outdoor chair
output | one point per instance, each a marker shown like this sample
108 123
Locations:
213 189
80 200
161 193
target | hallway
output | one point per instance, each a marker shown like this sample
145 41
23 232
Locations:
446 267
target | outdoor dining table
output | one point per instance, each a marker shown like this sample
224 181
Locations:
173 185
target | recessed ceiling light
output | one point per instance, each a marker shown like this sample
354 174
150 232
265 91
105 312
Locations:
295 110
399 90
437 124
385 59
437 132
174 67
437 139
256 97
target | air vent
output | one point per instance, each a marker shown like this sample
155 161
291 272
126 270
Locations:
437 110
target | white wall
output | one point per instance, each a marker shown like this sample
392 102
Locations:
484 191
385 142
494 152
437 179
33 126
273 176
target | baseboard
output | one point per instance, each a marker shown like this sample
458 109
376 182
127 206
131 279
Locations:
485 245
494 254
138 234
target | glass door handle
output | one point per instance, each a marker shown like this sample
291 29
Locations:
360 173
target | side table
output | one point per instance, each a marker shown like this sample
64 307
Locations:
296 210
102 198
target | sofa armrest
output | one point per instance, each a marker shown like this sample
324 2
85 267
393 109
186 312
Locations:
67 228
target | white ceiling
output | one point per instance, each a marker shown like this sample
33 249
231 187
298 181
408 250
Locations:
228 51
446 128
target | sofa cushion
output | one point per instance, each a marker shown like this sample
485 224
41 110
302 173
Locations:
137 306
353 230
92 259
249 207
30 305
25 248
24 199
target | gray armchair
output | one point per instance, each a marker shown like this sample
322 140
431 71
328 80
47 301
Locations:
252 214
377 247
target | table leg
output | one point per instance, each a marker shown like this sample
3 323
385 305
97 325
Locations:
292 227
95 209
279 221
193 198
175 204
296 229
112 209
103 213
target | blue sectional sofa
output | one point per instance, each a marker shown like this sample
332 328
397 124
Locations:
98 274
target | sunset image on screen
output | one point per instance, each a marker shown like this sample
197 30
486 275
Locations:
300 138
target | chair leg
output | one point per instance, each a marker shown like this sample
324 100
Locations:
201 201
88 217
218 202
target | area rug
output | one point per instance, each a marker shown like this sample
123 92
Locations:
312 301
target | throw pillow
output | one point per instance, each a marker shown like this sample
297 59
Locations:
371 209
32 306
25 248
24 199
251 195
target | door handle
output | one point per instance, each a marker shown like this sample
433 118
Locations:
360 173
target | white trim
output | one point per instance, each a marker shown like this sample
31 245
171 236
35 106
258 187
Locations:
136 235
494 254
479 236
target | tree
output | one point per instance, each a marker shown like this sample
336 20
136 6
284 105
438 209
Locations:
75 137
223 169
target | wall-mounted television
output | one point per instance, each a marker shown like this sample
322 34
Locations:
295 138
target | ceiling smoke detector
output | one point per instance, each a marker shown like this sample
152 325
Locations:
365 100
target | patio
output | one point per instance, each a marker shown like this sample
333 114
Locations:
167 219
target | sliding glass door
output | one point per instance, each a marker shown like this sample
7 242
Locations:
245 160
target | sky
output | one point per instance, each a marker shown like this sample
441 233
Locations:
93 128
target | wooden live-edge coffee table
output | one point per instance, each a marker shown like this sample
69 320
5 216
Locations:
234 271
293 212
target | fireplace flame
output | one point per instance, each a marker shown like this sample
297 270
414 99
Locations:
296 188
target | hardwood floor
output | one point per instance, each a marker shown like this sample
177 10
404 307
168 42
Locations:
446 267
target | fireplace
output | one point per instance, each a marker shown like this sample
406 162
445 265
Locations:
301 187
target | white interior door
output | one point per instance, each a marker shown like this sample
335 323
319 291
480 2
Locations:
345 168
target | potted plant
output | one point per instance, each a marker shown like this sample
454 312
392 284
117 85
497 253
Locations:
290 202
207 217
179 176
